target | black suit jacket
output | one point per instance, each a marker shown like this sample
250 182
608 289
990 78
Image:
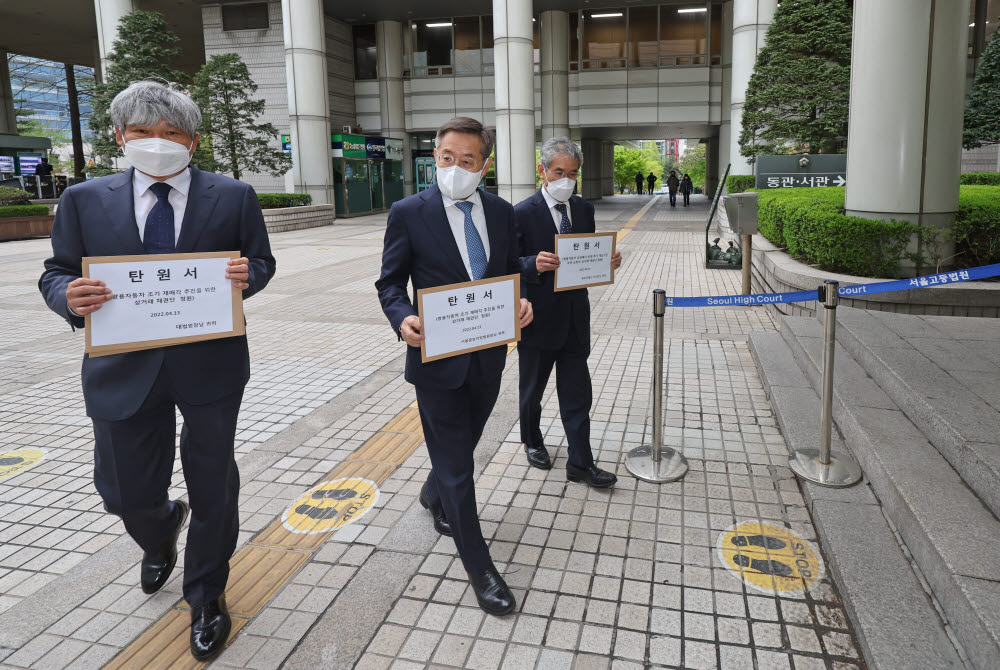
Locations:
97 218
420 248
554 312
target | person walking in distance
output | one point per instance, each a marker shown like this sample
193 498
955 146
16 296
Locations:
638 182
673 183
686 188
650 180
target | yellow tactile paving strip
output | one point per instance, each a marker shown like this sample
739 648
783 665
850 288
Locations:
273 556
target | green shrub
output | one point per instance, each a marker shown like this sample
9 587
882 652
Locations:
981 179
977 226
738 183
13 196
23 210
276 200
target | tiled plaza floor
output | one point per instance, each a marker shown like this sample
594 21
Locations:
623 579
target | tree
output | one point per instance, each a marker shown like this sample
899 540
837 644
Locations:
144 49
797 97
692 162
982 112
223 89
629 161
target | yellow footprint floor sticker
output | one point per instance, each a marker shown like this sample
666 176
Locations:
331 505
19 460
770 558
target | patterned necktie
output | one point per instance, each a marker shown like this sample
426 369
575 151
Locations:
473 242
158 237
565 226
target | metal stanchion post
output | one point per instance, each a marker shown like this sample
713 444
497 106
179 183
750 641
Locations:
654 462
747 242
824 466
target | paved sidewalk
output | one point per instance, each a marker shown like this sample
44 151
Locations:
640 576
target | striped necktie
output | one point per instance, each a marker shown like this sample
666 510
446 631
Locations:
473 242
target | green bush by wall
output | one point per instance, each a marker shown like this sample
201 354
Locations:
277 200
13 196
10 211
811 225
981 178
738 183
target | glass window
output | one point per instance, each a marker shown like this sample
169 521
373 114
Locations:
245 17
432 47
365 66
537 57
683 35
467 56
642 37
488 44
603 38
716 38
574 40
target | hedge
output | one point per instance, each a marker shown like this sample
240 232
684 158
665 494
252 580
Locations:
981 179
276 200
13 196
812 226
23 210
738 183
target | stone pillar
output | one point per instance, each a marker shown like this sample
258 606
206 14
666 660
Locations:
711 165
905 132
751 19
108 14
726 127
554 41
513 50
8 119
593 172
607 168
308 100
389 52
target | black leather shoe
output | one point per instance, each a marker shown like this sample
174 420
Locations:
210 626
492 592
538 457
156 567
437 513
594 476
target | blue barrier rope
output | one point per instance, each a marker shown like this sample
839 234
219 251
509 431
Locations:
983 272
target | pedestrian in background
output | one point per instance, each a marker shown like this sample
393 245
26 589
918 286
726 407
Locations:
673 183
638 182
687 187
650 180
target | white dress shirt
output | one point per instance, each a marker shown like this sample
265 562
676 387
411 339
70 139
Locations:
143 199
556 214
456 219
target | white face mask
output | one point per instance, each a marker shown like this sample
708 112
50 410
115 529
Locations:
157 157
560 189
457 183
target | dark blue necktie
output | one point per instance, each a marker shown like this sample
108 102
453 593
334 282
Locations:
566 226
473 243
158 237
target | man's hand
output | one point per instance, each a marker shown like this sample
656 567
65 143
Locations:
546 261
411 332
239 272
616 259
527 313
85 296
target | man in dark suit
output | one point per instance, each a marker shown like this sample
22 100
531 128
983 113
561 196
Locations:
161 205
450 233
560 334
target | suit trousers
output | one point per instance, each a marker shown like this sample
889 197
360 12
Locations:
134 461
575 397
453 421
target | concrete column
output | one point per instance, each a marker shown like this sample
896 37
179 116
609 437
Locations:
8 119
726 128
711 164
308 100
905 132
593 168
751 19
513 51
554 39
108 14
389 52
607 168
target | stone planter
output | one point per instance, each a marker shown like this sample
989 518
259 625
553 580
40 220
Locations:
23 227
284 219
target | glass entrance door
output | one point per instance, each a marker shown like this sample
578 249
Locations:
378 197
425 172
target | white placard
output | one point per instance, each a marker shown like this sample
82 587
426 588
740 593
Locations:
460 318
163 300
584 260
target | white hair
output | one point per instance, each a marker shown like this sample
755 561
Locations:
146 103
559 145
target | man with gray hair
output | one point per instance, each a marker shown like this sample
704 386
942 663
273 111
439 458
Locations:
560 333
162 205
